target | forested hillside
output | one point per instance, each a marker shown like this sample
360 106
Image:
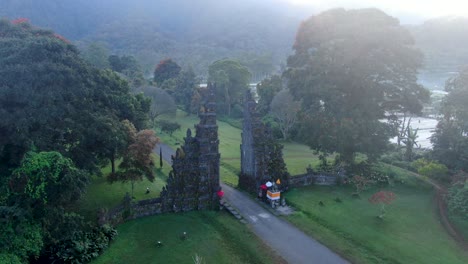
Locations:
195 33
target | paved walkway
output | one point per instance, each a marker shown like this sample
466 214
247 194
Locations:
289 242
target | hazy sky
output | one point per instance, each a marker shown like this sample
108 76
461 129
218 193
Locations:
408 11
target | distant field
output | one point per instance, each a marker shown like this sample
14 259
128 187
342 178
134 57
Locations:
409 233
215 236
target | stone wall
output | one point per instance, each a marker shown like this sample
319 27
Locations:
129 210
316 179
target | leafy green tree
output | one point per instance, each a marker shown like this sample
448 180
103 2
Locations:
284 110
266 90
47 179
165 70
352 68
20 238
450 141
186 83
137 162
168 126
42 193
231 79
53 100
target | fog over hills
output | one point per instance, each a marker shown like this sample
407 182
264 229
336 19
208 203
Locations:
260 32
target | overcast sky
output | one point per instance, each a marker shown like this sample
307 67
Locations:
408 11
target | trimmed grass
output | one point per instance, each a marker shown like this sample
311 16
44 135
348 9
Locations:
101 194
215 236
409 233
461 224
298 157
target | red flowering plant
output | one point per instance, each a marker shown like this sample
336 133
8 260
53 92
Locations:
20 20
383 198
62 38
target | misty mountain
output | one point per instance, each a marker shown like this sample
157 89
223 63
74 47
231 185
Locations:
444 44
191 32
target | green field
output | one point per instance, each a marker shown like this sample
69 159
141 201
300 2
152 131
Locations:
101 194
215 236
409 233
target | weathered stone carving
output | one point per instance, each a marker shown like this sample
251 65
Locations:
261 156
194 179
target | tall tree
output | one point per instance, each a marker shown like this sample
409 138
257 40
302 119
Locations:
186 83
165 70
450 141
351 68
284 110
137 162
231 80
161 103
266 90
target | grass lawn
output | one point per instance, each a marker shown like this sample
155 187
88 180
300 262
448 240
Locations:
409 233
461 224
298 157
215 236
101 194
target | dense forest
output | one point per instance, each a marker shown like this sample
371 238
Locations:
193 34
86 85
260 33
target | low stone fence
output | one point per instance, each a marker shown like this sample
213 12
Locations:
128 210
316 179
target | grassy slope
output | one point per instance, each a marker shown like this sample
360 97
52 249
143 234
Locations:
460 223
216 237
410 232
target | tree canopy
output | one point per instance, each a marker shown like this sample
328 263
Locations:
51 99
450 141
231 79
165 70
351 69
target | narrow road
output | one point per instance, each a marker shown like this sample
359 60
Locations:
166 152
288 241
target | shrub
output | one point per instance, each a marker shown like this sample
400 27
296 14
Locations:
431 169
168 126
382 198
84 246
457 199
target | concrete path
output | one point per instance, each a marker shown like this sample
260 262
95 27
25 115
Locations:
166 152
289 242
